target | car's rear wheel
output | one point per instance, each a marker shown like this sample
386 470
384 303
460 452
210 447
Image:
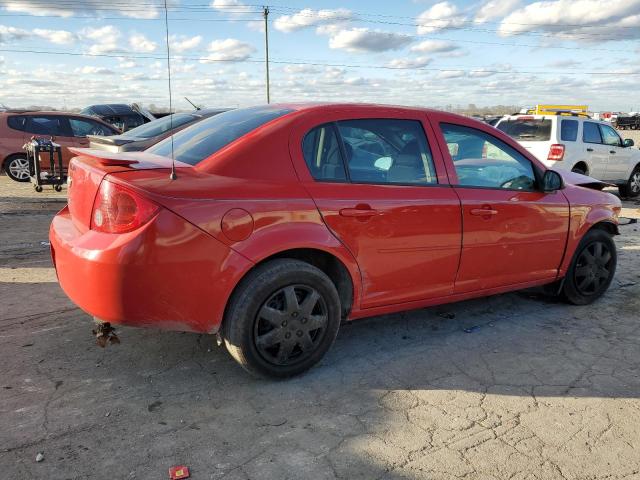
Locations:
282 319
631 189
592 268
17 168
579 168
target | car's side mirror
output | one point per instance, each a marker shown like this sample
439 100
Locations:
628 142
552 181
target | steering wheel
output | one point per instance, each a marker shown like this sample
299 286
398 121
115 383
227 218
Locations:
519 183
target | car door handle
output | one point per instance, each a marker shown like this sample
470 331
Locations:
358 212
612 151
589 149
481 212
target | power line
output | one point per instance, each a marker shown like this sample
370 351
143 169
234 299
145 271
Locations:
329 64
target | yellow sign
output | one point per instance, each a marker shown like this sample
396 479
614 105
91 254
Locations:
556 109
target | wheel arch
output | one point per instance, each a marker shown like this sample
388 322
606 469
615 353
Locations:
343 276
582 163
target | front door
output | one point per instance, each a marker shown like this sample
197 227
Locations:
513 232
375 184
619 157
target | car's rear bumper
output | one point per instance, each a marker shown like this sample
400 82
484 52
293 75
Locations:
168 274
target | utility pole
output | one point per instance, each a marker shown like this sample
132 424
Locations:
265 13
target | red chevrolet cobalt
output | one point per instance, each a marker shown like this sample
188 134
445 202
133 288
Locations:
282 220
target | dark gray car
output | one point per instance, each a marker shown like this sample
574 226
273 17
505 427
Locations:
144 136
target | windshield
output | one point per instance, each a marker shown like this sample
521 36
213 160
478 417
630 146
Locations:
161 125
199 141
536 130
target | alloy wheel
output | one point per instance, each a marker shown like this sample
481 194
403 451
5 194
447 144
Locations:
19 168
634 182
593 268
290 325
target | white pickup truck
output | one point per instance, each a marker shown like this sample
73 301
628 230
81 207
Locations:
579 144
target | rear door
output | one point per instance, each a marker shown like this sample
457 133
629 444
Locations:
513 232
55 127
595 152
384 195
81 127
619 163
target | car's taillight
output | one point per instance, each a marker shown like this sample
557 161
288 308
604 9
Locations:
117 209
556 152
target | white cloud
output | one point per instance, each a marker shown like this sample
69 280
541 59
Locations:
123 63
307 18
434 46
90 70
441 16
228 50
182 43
105 39
232 6
60 37
447 74
140 43
610 19
413 62
300 69
365 40
8 34
66 8
493 9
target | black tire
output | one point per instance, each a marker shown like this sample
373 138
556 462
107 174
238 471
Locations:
275 326
592 268
579 169
631 189
17 168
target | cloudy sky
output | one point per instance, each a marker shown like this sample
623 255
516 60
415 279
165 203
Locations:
71 53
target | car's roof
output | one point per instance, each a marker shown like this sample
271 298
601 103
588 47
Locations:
304 106
111 109
45 112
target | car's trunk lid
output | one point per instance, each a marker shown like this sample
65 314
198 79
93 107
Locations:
87 170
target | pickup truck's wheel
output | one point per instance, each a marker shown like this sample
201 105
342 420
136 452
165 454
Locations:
632 187
592 268
282 319
17 168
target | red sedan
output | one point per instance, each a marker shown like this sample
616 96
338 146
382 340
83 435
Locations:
285 219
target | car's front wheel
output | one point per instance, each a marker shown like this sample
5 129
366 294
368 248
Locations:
592 268
282 319
631 189
17 168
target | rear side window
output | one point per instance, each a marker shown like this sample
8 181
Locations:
569 130
195 143
527 129
17 122
322 154
591 133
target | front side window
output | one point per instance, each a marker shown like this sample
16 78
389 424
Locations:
17 122
199 141
482 160
569 130
610 137
591 133
81 127
49 126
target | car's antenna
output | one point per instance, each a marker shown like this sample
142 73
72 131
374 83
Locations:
193 104
173 175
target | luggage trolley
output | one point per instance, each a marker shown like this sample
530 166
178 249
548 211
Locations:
55 176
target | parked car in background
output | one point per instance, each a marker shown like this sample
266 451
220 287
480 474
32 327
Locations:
66 129
285 219
122 116
628 122
579 144
144 136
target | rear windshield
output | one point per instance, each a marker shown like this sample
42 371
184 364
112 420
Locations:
199 141
528 130
161 125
